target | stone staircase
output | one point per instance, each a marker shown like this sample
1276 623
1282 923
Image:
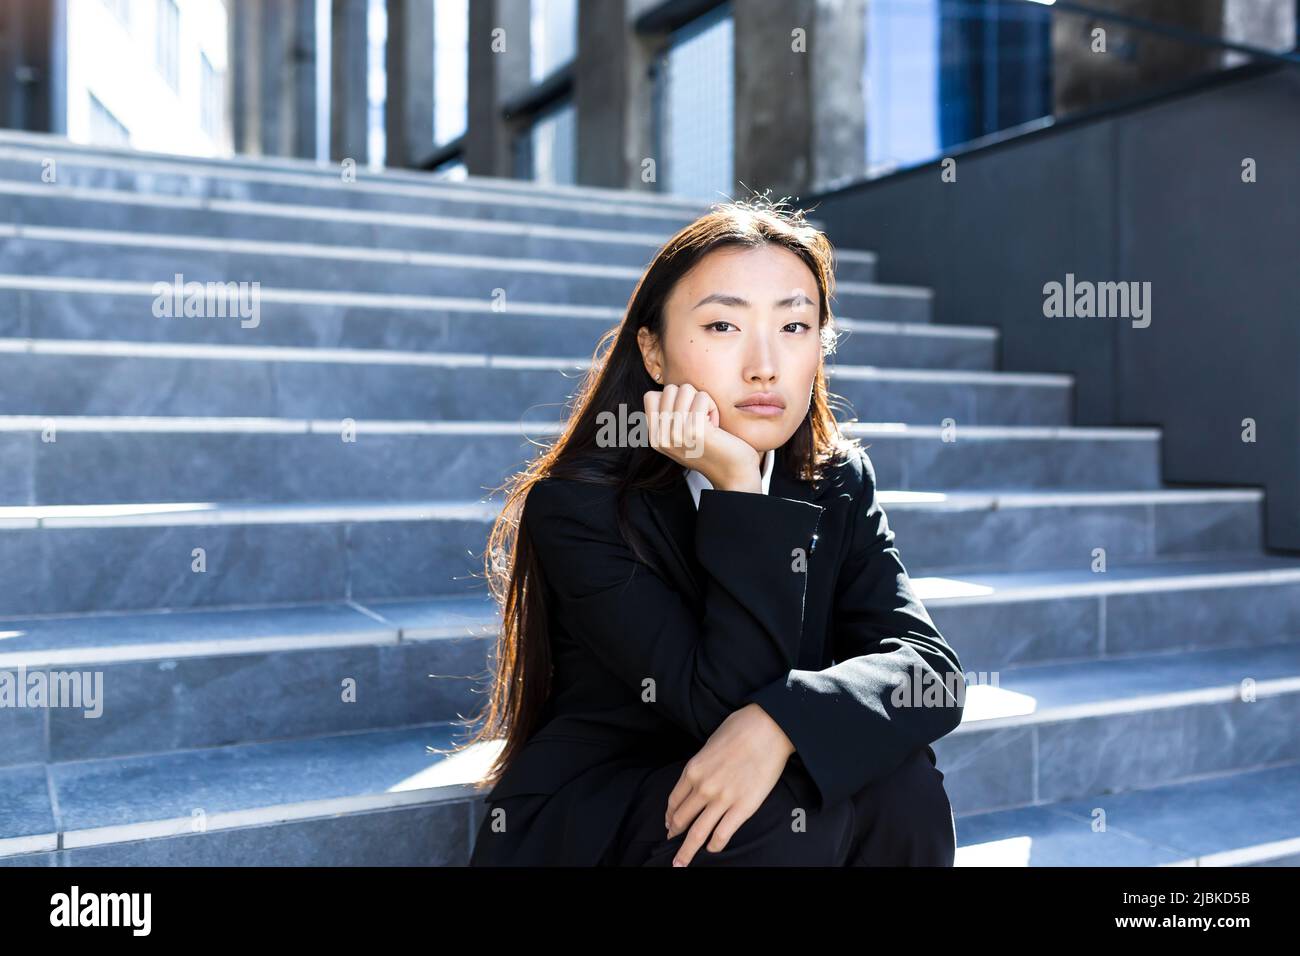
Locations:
228 734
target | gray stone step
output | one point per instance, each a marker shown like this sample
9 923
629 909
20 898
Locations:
377 798
51 307
27 155
1240 818
37 148
82 558
104 378
1133 607
53 205
178 677
178 680
59 147
94 460
216 181
1051 733
78 253
141 557
960 533
479 198
295 801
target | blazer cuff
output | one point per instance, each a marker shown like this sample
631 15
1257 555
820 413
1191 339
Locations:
848 738
787 701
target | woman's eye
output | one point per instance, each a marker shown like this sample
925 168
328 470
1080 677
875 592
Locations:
790 325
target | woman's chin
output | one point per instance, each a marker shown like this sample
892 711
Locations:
761 436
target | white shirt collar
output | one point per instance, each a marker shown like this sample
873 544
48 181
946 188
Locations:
698 482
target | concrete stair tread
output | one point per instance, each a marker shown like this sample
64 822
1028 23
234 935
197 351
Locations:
1134 576
471 307
1036 693
85 638
301 211
384 357
469 310
21 139
1062 497
310 213
1233 819
431 618
237 512
282 249
239 423
228 513
196 170
147 796
927 329
456 359
77 639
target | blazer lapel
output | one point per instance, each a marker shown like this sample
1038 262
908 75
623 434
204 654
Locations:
673 513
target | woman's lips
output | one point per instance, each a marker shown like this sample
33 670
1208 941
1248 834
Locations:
766 411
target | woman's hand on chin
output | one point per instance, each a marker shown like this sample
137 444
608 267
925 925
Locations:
684 425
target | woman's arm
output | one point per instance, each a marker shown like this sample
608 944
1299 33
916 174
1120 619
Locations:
844 721
694 670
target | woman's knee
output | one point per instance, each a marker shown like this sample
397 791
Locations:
907 813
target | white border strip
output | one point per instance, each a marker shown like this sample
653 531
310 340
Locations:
76 285
90 154
188 514
354 356
255 425
1111 707
1149 584
307 250
1246 855
257 816
963 376
433 191
979 501
283 353
339 214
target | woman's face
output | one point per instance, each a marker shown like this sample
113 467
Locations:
743 323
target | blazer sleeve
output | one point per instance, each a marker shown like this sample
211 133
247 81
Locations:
692 668
895 685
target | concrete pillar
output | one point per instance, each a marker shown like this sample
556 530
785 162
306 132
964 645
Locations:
800 106
1270 24
300 81
244 56
272 47
838 96
1134 60
33 51
612 94
408 115
349 104
499 57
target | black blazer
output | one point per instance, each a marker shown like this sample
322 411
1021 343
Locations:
796 600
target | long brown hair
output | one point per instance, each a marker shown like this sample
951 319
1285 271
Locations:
617 377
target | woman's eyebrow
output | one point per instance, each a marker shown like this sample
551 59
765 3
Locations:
723 298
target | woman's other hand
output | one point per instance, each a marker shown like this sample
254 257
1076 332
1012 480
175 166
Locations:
727 781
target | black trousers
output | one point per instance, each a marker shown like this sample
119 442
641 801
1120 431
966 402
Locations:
902 819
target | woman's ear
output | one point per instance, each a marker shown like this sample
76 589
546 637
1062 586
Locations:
646 341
